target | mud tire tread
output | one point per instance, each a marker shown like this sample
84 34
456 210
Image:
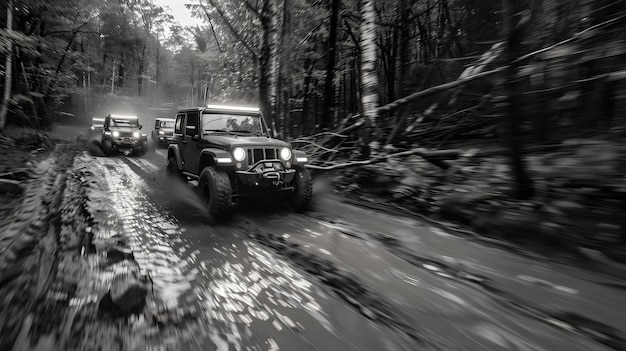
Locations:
303 194
107 148
220 203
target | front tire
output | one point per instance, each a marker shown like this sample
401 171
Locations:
215 191
303 194
107 147
144 148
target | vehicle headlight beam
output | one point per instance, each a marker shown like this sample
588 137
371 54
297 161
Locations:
239 154
285 154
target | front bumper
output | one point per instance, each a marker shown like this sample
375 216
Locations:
126 143
165 139
267 173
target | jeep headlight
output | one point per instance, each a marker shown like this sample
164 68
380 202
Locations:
285 153
116 134
136 135
161 132
239 154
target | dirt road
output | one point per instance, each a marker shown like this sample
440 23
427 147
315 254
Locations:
338 278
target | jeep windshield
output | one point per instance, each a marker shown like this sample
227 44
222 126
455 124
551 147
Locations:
231 123
166 124
124 122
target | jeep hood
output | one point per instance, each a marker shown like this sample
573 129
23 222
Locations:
125 129
245 140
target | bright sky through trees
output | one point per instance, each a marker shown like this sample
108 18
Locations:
177 9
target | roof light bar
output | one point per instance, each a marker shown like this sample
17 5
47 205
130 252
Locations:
239 108
124 117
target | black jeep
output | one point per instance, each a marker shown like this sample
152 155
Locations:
122 133
231 153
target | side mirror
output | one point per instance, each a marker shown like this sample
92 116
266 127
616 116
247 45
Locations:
270 132
140 126
190 130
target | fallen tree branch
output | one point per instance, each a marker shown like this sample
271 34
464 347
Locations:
436 89
304 141
434 157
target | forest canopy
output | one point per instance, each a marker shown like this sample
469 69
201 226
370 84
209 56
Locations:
432 70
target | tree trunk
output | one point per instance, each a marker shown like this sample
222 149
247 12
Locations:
329 92
8 69
140 69
304 117
284 79
267 63
402 68
515 18
369 79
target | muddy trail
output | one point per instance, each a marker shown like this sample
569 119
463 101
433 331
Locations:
110 253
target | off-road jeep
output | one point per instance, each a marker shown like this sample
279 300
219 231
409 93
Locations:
231 153
163 131
122 133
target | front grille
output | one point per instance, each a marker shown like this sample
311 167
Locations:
256 154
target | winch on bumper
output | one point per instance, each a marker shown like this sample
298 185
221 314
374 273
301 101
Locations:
126 144
266 173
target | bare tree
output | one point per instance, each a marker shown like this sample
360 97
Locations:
285 79
369 79
268 61
329 92
516 16
8 69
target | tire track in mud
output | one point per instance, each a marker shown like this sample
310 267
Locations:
563 320
28 290
56 268
567 321
347 286
158 325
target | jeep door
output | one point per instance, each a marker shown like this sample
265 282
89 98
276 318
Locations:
190 150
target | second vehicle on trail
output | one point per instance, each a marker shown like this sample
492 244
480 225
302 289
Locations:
163 131
95 127
231 153
122 133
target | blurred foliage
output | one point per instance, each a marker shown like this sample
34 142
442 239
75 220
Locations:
571 50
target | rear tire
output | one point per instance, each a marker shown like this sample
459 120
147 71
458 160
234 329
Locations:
300 199
215 191
172 169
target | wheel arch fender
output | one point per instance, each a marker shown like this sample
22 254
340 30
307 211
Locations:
210 156
299 155
174 151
